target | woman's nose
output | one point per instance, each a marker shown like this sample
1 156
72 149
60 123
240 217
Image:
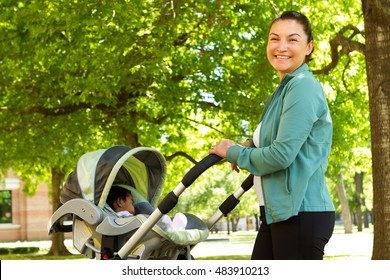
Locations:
282 46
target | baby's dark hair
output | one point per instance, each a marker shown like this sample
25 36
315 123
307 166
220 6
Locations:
303 20
115 193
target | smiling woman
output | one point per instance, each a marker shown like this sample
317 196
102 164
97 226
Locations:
288 46
289 151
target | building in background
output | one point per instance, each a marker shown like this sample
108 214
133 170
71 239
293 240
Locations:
23 218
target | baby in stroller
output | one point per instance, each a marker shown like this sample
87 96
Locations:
99 232
120 199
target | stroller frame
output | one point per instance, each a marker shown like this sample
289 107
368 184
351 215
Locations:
97 234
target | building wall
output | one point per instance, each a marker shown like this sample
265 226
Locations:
30 215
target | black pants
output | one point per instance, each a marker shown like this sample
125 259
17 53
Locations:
302 237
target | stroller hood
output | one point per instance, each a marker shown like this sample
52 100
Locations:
143 168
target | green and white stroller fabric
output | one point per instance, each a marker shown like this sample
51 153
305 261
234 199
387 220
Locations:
141 170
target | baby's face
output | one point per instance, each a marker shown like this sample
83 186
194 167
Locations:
128 205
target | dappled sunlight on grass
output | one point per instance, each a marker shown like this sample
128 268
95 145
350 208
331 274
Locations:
228 246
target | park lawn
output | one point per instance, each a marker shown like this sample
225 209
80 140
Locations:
240 237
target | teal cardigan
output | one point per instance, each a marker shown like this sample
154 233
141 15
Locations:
295 142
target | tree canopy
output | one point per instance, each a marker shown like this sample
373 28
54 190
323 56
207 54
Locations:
145 72
174 75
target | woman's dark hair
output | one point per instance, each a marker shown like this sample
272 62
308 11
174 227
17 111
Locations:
303 20
115 193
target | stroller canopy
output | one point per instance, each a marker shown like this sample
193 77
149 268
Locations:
142 168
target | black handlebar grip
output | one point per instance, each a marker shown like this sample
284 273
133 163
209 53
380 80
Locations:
248 183
199 168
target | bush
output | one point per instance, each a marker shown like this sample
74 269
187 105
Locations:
19 250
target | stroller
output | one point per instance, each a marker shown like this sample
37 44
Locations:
98 232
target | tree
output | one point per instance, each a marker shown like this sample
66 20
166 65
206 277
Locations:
142 70
166 74
345 211
359 199
377 31
77 73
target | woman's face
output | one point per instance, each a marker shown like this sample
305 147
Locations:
287 46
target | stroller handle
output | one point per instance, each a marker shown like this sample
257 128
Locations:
230 202
248 183
199 168
171 199
167 204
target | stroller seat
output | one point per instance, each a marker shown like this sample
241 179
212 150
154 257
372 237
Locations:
195 231
100 232
97 231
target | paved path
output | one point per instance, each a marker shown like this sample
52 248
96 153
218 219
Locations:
357 245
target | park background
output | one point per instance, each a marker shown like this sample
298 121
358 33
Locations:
177 76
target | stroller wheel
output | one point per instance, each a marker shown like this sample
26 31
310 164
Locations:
184 257
185 254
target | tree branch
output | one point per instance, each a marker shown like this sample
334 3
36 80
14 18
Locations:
206 125
347 44
182 154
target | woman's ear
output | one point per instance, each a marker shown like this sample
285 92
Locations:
310 47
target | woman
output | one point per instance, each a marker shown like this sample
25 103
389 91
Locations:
289 151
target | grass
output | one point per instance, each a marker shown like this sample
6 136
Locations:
41 254
342 246
232 257
40 257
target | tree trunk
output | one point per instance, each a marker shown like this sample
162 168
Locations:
228 224
377 31
345 213
366 218
257 219
359 200
235 221
58 247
